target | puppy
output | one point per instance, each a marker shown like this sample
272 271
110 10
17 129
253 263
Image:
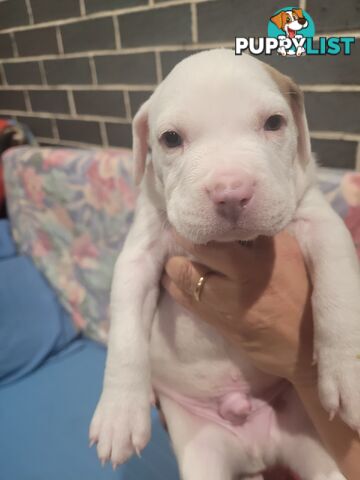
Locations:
230 159
291 22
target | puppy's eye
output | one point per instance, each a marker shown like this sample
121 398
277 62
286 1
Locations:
171 139
273 123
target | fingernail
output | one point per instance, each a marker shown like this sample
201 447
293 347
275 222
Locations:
137 452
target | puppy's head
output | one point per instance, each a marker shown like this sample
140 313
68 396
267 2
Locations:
291 21
228 140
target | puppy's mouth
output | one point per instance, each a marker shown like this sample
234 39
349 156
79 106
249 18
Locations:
291 32
220 235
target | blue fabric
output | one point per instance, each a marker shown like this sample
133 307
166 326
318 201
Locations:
50 382
7 246
45 418
32 322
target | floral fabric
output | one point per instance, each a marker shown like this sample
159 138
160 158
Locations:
71 209
342 189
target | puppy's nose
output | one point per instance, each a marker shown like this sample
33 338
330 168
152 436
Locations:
226 189
238 194
231 194
302 20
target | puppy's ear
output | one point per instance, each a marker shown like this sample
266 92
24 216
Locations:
298 12
279 20
140 132
295 98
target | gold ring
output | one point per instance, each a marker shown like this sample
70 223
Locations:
200 286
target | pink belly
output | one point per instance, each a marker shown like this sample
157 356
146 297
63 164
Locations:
235 410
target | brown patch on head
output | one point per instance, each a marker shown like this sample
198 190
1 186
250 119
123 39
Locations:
295 98
287 87
298 12
279 20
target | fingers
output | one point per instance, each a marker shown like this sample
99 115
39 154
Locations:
184 273
180 297
230 258
182 278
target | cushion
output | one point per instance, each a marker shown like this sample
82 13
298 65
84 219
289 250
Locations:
33 324
45 419
70 211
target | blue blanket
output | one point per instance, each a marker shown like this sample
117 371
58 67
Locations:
50 381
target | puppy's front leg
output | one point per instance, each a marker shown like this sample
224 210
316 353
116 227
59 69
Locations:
334 267
121 423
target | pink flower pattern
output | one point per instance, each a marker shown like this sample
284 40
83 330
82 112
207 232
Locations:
71 211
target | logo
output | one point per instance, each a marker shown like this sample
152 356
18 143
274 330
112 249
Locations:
291 32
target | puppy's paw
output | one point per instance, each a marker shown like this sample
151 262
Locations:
339 384
120 426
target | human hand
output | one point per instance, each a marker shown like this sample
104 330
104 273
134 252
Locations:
258 297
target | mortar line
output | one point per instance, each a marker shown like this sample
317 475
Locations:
320 88
127 51
14 45
194 23
103 134
28 101
3 76
93 71
116 86
127 104
357 164
59 41
43 74
335 135
30 12
107 13
68 143
117 33
71 101
55 129
66 116
82 8
158 67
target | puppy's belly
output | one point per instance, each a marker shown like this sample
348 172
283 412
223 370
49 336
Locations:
197 368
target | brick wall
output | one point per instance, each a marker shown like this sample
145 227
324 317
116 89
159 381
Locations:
77 70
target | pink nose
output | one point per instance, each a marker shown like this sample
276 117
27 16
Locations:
231 193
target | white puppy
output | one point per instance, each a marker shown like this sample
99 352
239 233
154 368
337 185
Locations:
229 159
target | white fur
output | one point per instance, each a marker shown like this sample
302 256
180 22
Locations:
219 103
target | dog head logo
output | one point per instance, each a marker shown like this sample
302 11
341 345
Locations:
291 23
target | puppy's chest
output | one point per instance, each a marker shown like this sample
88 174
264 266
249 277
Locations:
189 355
